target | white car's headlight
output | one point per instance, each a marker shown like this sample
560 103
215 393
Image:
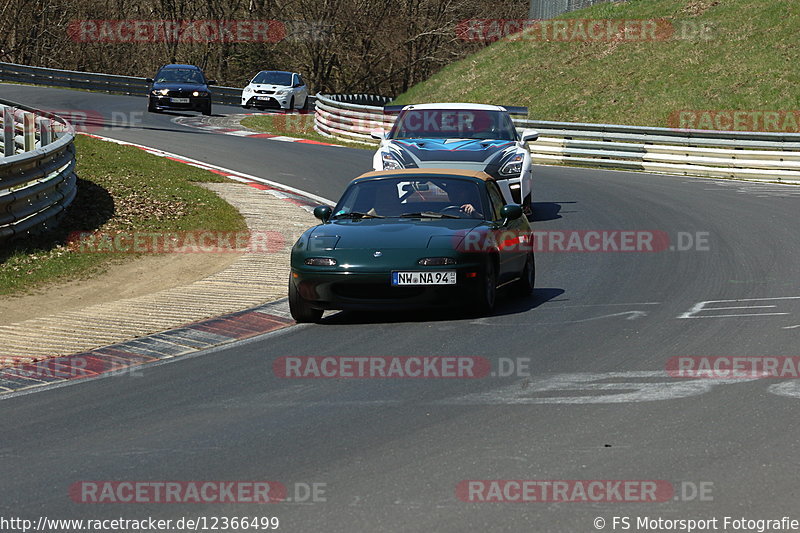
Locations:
514 166
248 89
390 162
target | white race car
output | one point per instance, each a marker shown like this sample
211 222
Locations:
462 136
276 89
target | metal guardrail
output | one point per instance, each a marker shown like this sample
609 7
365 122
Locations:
727 154
92 81
545 9
37 169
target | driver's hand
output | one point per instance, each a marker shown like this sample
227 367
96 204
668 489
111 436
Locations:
468 209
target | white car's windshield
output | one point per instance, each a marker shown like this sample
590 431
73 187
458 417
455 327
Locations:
453 123
273 78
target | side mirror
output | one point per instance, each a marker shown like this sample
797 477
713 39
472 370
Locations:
323 212
149 80
211 82
529 135
510 212
378 134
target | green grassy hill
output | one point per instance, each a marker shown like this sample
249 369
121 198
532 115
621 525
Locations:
746 60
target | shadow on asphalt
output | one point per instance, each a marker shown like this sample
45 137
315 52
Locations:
507 304
547 210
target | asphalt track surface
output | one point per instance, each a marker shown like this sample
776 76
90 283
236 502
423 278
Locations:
390 453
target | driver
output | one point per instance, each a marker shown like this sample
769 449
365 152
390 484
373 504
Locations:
461 197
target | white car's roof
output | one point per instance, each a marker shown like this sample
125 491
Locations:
476 107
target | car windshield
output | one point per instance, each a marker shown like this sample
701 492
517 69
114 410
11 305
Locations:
273 78
411 197
180 75
453 123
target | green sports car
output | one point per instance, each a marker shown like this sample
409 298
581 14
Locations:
412 238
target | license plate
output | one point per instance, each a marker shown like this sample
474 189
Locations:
179 100
444 277
263 98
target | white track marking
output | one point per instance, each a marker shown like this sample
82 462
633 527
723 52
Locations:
625 387
704 307
232 174
605 305
629 315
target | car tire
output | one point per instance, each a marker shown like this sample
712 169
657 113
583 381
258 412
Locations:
151 108
207 110
486 292
300 309
245 106
291 105
527 206
527 278
305 104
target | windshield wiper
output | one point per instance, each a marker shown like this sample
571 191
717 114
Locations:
427 214
356 214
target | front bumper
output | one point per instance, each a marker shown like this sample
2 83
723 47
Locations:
196 103
373 290
263 100
511 187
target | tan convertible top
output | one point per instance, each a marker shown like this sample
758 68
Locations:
428 172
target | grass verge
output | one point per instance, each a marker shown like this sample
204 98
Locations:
723 55
120 189
295 125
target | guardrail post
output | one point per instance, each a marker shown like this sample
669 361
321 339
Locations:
29 131
9 146
45 131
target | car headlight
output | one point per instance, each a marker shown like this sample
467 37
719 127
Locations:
436 261
248 90
514 166
162 92
390 162
199 93
320 261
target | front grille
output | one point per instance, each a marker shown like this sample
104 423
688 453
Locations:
375 291
180 94
261 91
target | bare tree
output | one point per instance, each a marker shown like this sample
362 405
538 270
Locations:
375 46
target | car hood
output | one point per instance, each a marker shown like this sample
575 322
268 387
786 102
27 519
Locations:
269 87
470 154
174 86
385 234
